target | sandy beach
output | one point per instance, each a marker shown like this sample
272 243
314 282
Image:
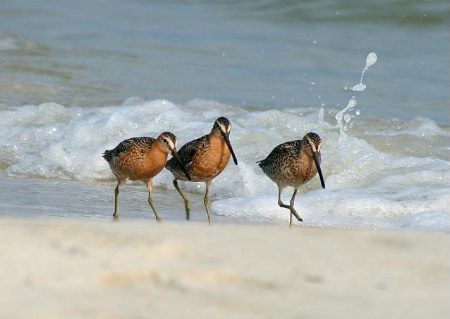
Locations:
103 269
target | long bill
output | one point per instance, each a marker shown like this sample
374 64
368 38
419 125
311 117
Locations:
316 160
227 140
178 159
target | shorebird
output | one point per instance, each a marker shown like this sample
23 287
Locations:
293 164
141 159
204 158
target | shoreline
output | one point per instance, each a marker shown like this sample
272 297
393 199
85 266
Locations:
57 268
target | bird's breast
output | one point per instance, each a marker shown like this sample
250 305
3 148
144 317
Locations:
140 165
210 160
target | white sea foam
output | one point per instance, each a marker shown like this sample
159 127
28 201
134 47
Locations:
366 186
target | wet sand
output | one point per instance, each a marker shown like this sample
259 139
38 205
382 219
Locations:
139 269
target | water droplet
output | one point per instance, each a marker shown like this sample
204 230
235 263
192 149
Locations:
342 119
351 103
359 87
371 59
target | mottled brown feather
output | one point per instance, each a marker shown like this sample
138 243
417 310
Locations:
138 158
290 164
205 158
293 164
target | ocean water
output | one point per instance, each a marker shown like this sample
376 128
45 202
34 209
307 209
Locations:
78 78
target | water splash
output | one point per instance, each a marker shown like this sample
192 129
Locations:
370 60
321 116
341 117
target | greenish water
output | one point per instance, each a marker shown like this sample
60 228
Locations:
78 77
264 54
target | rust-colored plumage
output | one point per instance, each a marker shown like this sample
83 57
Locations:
293 164
141 159
204 158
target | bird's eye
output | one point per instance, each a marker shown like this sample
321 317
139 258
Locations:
169 143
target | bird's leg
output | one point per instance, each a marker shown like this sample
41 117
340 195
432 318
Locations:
116 199
150 200
206 202
186 202
292 209
280 203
